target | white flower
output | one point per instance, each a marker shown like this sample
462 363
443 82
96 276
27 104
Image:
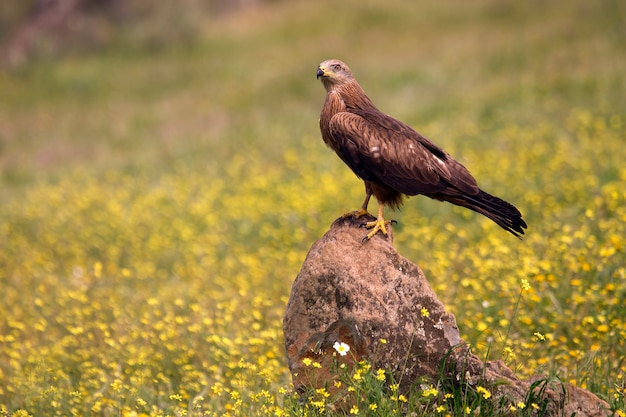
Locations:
341 348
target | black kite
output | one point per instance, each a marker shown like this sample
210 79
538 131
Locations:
393 159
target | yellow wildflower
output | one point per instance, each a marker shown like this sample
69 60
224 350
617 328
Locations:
484 392
430 392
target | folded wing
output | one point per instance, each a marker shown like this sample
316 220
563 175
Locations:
380 148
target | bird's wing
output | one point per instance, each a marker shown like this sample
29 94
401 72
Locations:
380 148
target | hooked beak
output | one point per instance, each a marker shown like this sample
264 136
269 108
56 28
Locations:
320 73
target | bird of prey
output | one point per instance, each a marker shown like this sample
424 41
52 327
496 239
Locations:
393 159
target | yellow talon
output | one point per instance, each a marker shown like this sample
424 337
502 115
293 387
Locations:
380 225
356 214
376 227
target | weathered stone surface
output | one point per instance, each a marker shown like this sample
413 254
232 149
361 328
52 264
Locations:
361 292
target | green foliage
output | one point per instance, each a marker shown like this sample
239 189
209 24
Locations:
157 202
357 388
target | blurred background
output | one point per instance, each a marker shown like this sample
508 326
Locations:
179 70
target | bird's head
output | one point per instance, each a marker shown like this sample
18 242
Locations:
333 72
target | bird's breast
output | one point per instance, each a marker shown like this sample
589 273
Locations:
334 104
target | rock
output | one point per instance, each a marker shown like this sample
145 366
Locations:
368 296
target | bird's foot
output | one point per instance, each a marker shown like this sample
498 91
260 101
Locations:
356 214
380 225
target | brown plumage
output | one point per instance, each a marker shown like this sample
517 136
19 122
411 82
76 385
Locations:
393 159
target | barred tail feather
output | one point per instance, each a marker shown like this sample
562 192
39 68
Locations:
502 213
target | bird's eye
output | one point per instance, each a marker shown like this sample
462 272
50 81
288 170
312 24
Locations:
336 67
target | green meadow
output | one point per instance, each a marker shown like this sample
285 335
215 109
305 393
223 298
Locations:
161 186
